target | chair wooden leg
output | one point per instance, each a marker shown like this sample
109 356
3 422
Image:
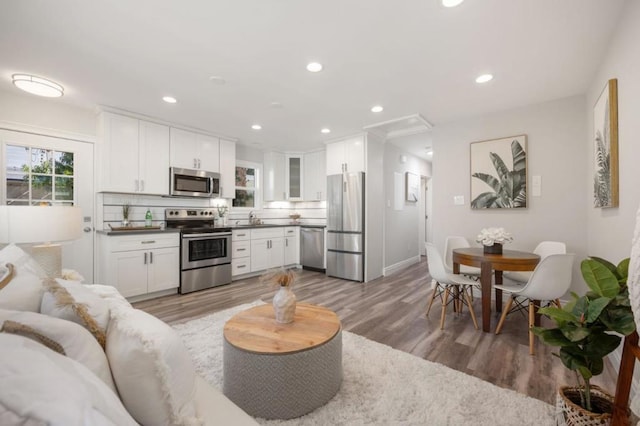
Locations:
532 319
471 311
444 307
558 304
433 296
505 312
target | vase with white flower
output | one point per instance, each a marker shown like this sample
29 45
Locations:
493 239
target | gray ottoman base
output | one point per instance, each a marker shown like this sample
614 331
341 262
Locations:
283 386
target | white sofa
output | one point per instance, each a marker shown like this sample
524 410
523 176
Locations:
78 354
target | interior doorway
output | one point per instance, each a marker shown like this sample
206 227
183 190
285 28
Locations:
425 204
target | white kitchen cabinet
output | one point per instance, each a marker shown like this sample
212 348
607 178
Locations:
139 264
133 155
293 177
347 155
274 177
291 245
190 150
267 248
227 169
315 176
240 251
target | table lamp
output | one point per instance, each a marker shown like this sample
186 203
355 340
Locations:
43 226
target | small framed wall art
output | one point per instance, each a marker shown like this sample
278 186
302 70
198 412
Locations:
499 173
605 123
412 185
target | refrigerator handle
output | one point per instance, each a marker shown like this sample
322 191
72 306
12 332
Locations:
344 186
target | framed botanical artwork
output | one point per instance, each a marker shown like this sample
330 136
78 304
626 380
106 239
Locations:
412 185
499 173
605 123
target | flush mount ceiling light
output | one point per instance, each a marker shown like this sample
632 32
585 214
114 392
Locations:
325 130
314 67
484 78
377 108
37 85
256 127
451 3
169 99
216 79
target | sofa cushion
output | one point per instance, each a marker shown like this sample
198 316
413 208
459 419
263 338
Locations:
24 291
216 409
40 386
71 301
75 341
152 369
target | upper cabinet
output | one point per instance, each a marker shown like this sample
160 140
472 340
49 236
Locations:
134 155
227 169
347 155
293 177
190 150
315 176
274 176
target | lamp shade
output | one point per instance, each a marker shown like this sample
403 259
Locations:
39 224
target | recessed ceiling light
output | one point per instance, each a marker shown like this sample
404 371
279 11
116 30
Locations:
325 130
169 99
37 85
216 79
451 3
484 78
377 108
276 105
314 67
256 127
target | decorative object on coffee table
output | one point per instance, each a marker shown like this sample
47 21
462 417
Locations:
284 301
493 239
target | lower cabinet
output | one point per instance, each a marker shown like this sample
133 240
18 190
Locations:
139 264
259 249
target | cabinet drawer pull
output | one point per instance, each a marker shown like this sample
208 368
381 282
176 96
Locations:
242 266
145 258
148 242
150 257
241 235
240 249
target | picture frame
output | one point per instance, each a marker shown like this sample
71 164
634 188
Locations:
412 187
498 169
605 147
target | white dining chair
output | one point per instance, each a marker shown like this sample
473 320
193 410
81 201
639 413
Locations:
454 242
544 249
447 281
548 282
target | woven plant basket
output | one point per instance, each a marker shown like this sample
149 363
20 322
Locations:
571 414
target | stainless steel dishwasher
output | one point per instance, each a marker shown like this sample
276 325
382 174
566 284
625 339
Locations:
312 248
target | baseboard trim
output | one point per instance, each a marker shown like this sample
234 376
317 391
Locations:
397 267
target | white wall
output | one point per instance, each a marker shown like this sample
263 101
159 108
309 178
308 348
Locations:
46 113
402 239
557 145
247 153
611 230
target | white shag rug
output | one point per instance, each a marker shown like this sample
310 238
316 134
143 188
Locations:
383 386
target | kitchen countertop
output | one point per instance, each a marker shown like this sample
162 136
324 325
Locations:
271 225
137 231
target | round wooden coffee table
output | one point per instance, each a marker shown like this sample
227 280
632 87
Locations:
282 371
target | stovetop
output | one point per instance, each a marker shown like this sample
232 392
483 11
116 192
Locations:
193 221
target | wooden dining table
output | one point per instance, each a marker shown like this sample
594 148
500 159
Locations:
492 264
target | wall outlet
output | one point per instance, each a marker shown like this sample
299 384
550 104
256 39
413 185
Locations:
388 203
458 200
536 186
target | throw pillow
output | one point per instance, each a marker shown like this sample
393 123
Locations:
70 300
109 293
24 291
6 274
41 386
152 369
73 339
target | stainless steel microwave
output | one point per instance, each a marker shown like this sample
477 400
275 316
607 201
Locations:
194 183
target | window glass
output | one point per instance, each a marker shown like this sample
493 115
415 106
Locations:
37 175
247 186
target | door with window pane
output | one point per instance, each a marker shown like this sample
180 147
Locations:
43 170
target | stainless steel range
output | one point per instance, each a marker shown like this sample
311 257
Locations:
205 251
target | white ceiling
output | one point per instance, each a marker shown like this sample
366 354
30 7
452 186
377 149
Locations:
411 56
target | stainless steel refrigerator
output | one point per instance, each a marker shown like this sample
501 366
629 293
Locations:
345 226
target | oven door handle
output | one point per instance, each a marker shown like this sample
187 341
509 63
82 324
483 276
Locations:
206 235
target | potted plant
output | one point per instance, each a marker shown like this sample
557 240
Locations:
587 329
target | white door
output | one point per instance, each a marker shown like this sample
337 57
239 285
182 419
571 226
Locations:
69 182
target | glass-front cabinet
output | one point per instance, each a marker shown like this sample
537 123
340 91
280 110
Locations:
294 177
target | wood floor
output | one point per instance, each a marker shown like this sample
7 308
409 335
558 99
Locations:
391 310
